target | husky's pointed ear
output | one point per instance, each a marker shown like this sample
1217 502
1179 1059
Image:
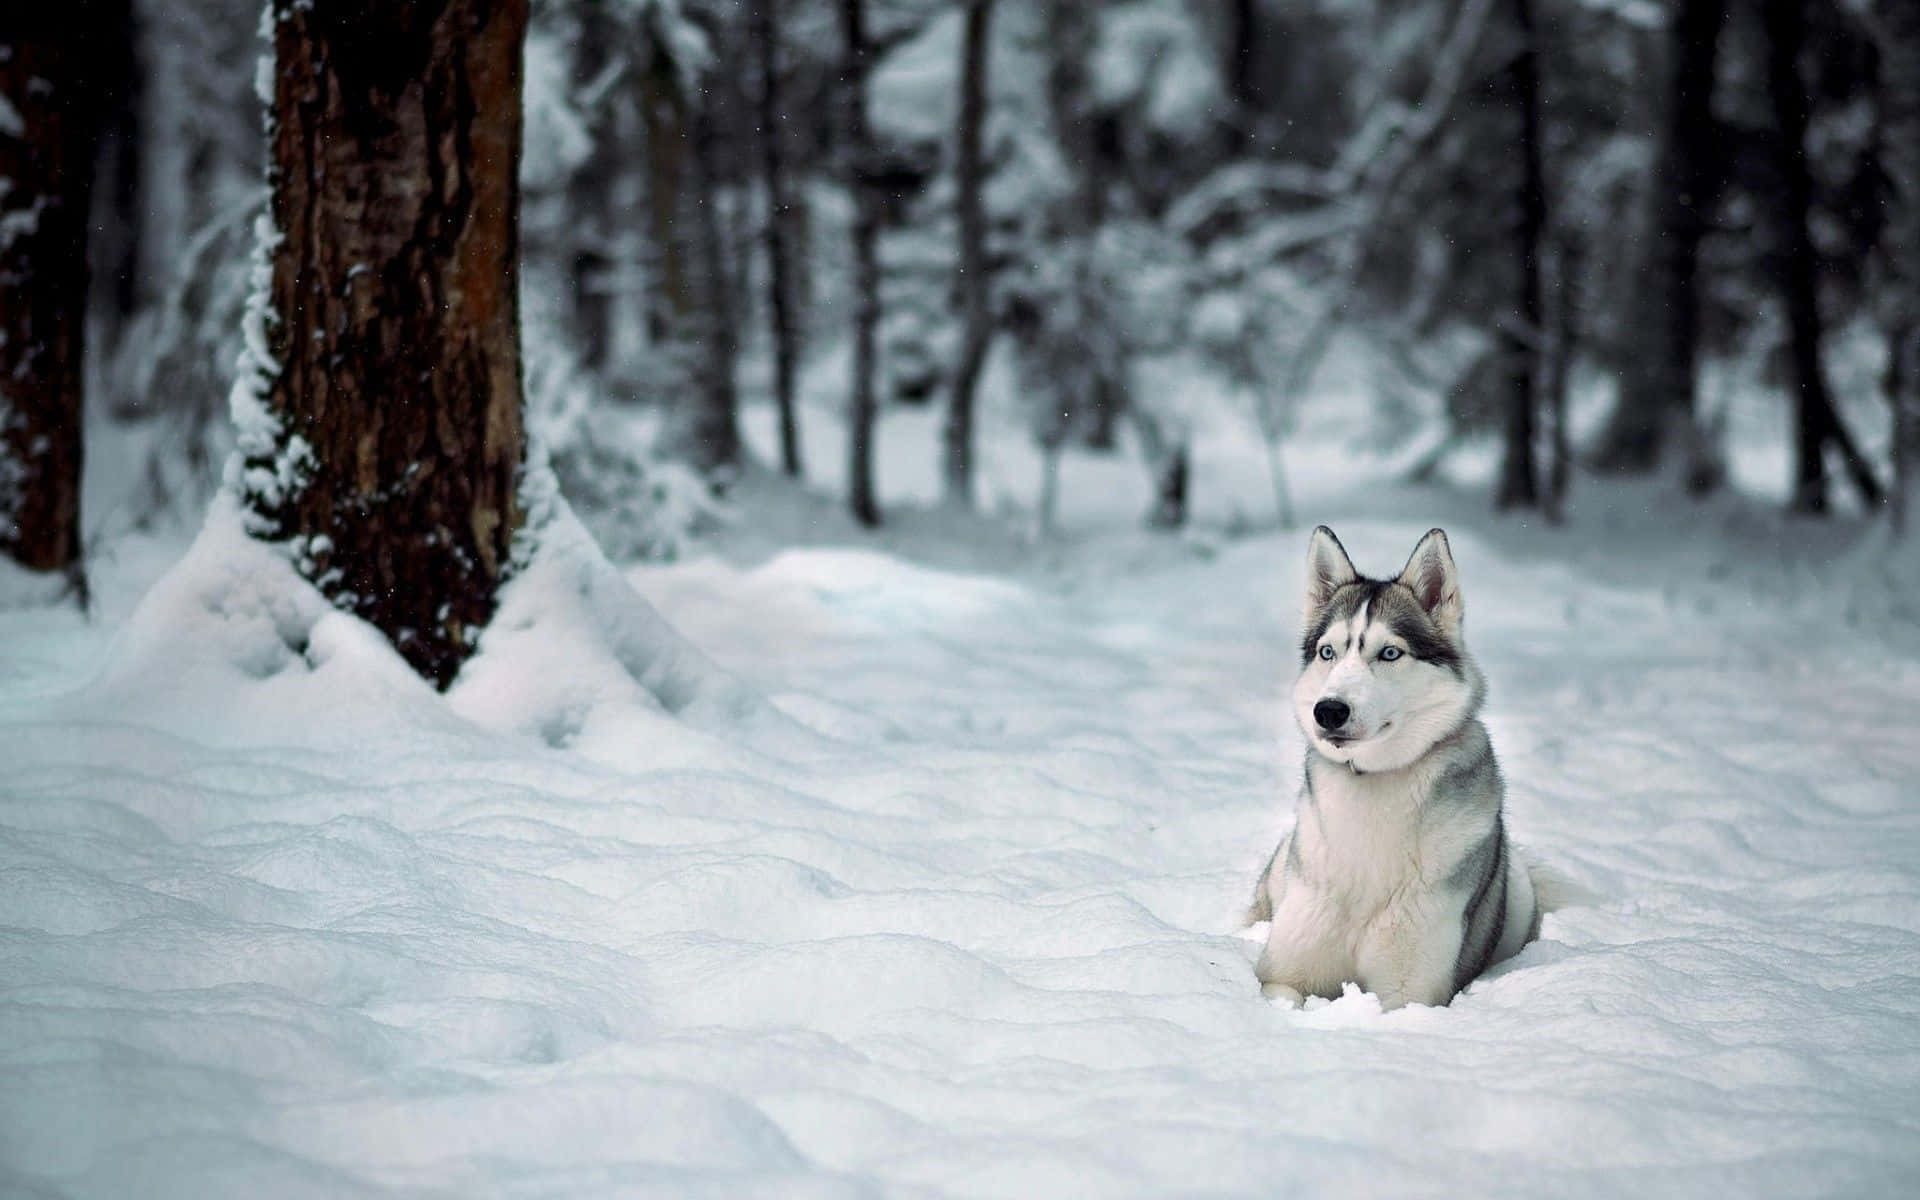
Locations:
1435 580
1328 568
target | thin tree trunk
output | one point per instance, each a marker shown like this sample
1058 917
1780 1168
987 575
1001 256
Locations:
389 452
663 119
866 263
1815 420
1563 347
713 435
765 33
1277 476
116 250
590 197
1899 32
1657 392
973 284
1519 480
47 117
1243 27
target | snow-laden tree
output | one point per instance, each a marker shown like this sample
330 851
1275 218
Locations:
380 415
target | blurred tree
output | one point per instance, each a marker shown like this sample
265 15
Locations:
1523 336
973 283
115 249
1898 32
1657 385
711 433
764 32
1816 423
387 443
860 163
593 188
48 115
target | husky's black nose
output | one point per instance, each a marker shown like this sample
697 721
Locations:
1331 714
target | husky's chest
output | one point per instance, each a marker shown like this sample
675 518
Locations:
1367 842
1364 890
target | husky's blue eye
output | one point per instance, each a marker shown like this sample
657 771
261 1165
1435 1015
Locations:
1326 651
1389 654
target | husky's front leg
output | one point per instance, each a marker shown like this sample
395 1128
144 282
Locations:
1301 957
1411 961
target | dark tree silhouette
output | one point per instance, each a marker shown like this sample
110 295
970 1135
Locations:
394 461
1899 37
764 29
1657 390
1524 336
48 115
860 169
712 432
1816 424
973 283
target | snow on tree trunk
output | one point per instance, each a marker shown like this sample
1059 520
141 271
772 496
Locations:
1815 421
764 30
1899 31
973 283
390 443
47 115
859 154
1657 390
1523 338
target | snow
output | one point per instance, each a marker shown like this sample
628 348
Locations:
911 865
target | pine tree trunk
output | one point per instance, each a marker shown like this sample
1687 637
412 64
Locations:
1816 423
47 116
859 153
974 283
590 199
713 434
1524 338
1657 391
1563 347
764 31
663 119
116 249
394 313
1899 33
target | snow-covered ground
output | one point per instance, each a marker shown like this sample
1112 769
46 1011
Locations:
896 879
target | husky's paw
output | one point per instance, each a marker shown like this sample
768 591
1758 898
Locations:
1283 993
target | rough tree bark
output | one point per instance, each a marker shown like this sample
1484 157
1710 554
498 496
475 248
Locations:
973 283
1816 423
1657 394
1525 335
764 30
48 114
1899 36
859 155
392 462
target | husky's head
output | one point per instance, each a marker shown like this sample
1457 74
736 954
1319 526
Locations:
1384 673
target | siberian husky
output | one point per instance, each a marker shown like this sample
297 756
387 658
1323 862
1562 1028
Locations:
1397 874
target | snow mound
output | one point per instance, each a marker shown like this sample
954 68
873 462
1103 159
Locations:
574 656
